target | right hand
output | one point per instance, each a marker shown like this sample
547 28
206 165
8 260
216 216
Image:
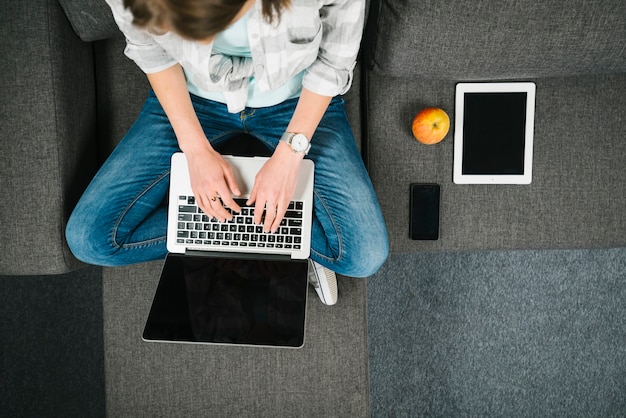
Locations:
213 183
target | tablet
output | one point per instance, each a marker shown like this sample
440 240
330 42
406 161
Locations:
230 300
493 136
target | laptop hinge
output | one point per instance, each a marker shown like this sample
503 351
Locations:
239 255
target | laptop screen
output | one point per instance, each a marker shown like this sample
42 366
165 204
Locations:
223 300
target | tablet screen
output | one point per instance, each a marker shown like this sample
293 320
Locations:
234 301
493 137
494 133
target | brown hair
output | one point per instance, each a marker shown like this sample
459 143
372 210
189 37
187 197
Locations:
195 19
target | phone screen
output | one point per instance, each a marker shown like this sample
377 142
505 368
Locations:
424 211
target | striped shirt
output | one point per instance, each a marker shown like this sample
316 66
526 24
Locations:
319 37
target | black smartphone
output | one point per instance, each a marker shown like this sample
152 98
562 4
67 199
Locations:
424 211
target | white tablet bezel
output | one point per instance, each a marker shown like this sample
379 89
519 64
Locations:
463 88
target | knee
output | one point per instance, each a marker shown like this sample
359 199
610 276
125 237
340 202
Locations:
371 257
362 259
86 243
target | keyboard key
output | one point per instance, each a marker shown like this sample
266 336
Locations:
200 229
293 214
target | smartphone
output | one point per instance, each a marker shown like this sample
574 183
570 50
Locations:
424 211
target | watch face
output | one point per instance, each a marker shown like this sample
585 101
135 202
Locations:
299 143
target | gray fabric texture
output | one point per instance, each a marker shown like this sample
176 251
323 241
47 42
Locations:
47 131
92 20
499 334
353 106
578 192
122 90
51 348
327 377
494 40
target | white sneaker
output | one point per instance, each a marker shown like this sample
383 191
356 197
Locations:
324 281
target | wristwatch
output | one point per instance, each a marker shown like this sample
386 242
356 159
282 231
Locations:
298 142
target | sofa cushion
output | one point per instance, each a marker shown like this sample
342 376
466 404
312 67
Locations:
47 152
482 39
577 195
92 20
328 377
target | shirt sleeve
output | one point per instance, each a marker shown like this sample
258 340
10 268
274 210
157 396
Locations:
342 26
141 46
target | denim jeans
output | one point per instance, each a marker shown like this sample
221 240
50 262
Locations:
121 218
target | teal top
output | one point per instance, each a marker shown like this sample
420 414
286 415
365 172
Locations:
233 42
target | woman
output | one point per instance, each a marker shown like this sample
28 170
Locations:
270 68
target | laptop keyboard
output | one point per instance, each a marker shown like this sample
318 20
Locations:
197 228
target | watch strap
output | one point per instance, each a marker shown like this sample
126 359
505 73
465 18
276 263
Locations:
288 138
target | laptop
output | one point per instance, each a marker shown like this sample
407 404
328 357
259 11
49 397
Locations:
230 283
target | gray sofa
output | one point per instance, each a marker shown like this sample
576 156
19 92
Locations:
69 94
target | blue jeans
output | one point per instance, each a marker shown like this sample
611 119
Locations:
121 218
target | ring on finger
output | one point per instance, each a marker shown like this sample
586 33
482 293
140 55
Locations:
213 198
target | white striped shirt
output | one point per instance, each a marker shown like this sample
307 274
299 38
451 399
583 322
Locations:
319 37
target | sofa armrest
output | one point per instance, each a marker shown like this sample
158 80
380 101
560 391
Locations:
92 20
47 147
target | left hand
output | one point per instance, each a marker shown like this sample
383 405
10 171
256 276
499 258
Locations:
274 186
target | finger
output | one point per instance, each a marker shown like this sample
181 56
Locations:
252 197
270 215
259 205
220 211
229 202
230 181
280 214
205 202
259 210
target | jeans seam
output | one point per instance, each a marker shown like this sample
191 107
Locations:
337 232
147 243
